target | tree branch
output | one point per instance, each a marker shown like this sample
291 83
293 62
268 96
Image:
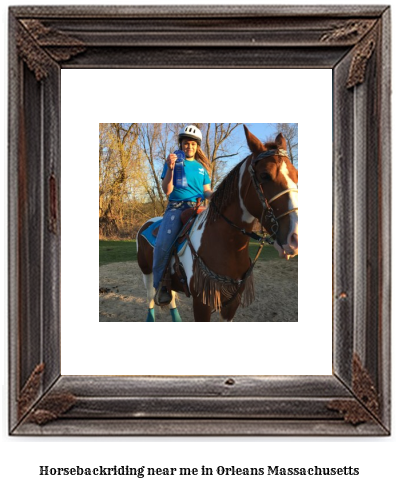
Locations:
225 156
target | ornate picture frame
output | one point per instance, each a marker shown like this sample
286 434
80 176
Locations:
353 42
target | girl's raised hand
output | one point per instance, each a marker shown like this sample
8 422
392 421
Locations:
171 160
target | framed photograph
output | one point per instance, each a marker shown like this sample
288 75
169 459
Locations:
353 44
137 152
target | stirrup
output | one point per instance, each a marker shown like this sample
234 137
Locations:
162 296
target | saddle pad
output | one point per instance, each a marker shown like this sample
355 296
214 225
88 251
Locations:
147 234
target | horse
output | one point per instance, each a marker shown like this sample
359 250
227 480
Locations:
217 264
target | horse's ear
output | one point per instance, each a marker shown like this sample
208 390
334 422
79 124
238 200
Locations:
280 140
254 144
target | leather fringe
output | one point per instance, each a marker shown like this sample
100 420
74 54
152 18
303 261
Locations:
217 290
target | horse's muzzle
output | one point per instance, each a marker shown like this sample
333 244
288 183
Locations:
292 246
290 249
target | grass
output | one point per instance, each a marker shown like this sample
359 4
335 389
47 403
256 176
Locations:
117 251
268 252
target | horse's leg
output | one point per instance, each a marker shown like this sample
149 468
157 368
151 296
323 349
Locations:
202 313
227 313
144 259
173 309
150 296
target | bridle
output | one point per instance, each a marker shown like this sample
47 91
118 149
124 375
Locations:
267 210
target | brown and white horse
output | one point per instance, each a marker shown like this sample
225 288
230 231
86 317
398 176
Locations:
217 263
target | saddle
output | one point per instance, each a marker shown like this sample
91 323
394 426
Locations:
186 219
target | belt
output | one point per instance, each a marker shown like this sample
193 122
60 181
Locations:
180 203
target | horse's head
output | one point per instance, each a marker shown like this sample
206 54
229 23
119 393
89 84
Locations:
272 195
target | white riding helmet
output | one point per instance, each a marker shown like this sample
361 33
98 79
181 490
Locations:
191 132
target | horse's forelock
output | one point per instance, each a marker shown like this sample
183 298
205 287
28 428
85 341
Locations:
271 145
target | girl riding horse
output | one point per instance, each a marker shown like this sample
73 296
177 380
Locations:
196 168
216 262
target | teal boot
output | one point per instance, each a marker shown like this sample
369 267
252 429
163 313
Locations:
151 315
175 315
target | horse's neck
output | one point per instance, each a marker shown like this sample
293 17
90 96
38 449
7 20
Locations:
237 213
223 247
241 218
237 209
229 238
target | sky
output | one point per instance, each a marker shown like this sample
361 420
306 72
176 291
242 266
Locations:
260 130
238 142
263 131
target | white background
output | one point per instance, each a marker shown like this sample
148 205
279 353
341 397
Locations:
282 348
376 457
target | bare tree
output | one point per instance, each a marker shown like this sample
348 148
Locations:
131 158
217 139
117 144
290 132
153 145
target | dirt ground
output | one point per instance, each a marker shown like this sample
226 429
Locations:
123 296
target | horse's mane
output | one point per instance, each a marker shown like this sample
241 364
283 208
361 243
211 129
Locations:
226 191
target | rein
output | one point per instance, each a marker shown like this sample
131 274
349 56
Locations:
252 235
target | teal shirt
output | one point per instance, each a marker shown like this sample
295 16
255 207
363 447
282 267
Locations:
197 178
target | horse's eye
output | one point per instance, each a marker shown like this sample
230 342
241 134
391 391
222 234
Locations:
265 176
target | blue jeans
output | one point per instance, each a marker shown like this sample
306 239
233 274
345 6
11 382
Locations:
167 234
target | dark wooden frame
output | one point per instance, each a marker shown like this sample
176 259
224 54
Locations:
353 41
